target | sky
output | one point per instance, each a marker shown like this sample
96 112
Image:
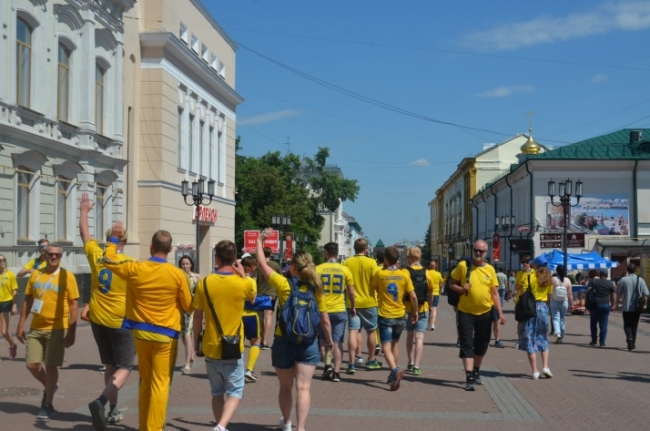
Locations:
400 92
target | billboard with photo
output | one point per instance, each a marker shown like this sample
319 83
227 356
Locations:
596 214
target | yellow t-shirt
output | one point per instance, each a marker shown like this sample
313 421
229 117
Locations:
227 291
55 290
282 286
107 290
391 285
423 307
251 312
539 292
157 293
478 300
437 280
336 278
36 263
521 278
363 269
8 284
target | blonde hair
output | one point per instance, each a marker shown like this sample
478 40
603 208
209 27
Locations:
415 252
544 278
307 270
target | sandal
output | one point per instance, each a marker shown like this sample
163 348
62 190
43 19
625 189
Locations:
185 371
192 362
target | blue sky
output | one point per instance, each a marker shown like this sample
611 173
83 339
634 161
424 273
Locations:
582 67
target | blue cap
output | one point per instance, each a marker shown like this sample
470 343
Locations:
540 260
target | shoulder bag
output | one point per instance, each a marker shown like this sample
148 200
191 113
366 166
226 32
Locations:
230 344
638 302
526 307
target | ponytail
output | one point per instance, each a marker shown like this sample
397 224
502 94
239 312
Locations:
303 262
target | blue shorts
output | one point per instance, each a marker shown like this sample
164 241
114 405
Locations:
390 329
251 326
284 355
226 377
337 321
436 300
420 325
366 317
494 314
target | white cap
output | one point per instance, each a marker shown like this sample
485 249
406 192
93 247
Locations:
245 255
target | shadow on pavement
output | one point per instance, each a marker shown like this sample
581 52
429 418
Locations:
13 408
436 382
232 426
630 377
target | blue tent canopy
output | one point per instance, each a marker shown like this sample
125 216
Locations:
590 260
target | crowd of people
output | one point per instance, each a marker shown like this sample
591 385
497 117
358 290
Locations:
142 308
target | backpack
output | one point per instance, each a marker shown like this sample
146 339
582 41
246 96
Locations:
300 316
452 296
590 299
526 307
420 284
559 292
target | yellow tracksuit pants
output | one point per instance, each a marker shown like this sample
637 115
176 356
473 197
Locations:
156 364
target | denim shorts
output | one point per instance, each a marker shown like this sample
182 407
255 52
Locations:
436 300
284 355
226 377
366 317
420 325
337 321
390 329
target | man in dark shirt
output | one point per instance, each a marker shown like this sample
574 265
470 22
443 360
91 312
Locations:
605 299
265 289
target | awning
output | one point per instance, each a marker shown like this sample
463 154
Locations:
623 243
579 261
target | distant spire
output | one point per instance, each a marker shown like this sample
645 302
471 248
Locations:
530 147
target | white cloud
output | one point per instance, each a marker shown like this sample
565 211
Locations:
268 117
506 91
598 78
420 162
605 18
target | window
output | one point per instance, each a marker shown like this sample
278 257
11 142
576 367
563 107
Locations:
183 33
179 138
220 174
205 55
195 43
201 137
22 203
222 69
211 151
100 205
23 61
191 143
63 85
99 99
213 61
62 192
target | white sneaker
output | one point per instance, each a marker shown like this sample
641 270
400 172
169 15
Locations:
536 375
547 373
433 327
285 427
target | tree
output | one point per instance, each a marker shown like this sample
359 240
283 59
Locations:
426 249
287 185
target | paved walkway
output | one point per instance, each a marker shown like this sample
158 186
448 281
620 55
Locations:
593 388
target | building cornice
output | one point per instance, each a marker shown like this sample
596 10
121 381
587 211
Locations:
206 13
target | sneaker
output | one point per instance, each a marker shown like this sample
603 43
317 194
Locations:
358 360
373 365
516 344
395 381
409 368
630 344
547 373
12 351
102 370
603 345
250 376
351 369
432 328
416 371
98 414
114 417
327 373
470 385
477 378
46 412
283 426
558 340
593 343
265 347
336 377
377 349
499 344
458 343
536 375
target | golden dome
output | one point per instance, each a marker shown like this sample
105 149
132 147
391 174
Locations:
530 147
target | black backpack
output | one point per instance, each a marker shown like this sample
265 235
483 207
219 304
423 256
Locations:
420 284
452 296
591 299
526 307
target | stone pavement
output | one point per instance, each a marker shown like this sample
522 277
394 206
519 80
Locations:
593 388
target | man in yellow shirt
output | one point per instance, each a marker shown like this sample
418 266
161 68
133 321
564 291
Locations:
106 314
438 280
157 293
8 289
363 268
423 285
392 285
477 287
51 296
220 298
337 283
37 263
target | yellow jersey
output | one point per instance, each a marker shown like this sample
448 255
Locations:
55 290
107 291
437 279
282 286
227 291
423 307
8 285
363 269
478 300
251 312
521 278
35 264
540 293
336 278
157 293
391 285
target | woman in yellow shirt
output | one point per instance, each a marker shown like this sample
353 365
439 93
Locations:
8 289
533 335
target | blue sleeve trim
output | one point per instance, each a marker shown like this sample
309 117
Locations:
114 240
150 327
157 259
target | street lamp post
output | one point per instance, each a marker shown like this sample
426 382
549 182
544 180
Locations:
198 195
279 222
565 191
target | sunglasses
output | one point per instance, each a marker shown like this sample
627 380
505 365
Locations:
55 255
476 250
3 260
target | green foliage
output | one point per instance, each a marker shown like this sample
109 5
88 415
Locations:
276 184
426 249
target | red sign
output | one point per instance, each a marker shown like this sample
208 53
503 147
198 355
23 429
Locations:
288 252
496 247
250 241
205 215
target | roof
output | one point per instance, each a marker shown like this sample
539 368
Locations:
612 146
380 243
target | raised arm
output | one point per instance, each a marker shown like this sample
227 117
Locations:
264 268
84 208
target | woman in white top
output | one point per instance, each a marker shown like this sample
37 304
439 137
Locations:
561 302
187 265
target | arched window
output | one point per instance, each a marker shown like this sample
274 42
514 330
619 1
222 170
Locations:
23 61
63 83
99 98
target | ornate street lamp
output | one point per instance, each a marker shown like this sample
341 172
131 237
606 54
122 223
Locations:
198 196
565 192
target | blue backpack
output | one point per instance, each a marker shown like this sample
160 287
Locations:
300 316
